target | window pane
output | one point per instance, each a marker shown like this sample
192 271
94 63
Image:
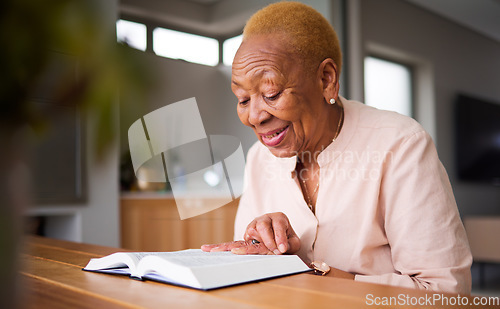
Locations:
229 48
133 34
388 85
189 47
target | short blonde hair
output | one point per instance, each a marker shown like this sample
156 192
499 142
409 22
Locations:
309 34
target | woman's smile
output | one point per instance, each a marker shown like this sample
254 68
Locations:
275 137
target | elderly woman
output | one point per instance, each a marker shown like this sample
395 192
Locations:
334 180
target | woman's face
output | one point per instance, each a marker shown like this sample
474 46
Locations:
278 98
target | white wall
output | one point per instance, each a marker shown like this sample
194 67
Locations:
461 60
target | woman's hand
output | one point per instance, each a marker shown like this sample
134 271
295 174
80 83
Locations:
273 233
238 247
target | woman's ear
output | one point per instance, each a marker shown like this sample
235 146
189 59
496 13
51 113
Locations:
329 79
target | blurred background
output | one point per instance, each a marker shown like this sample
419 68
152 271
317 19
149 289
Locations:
77 74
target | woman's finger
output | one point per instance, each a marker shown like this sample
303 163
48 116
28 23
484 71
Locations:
227 246
238 247
294 244
251 232
275 232
280 227
266 232
293 240
252 248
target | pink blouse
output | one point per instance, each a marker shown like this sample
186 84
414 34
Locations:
385 209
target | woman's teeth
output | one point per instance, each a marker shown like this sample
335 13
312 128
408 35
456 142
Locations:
275 134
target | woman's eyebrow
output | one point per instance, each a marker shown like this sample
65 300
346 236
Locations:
274 77
267 80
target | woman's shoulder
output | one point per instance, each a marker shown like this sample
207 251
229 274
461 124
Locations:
371 118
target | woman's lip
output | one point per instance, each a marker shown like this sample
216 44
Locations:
272 132
275 140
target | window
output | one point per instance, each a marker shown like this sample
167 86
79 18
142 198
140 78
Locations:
388 85
189 47
229 48
131 33
175 44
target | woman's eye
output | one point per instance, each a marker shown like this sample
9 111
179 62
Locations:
243 102
274 97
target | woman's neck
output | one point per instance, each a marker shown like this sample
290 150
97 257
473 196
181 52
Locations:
333 125
307 168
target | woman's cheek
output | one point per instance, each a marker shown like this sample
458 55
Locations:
243 115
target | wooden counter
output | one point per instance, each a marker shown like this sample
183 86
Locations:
52 278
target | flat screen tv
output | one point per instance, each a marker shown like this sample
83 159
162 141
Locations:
477 127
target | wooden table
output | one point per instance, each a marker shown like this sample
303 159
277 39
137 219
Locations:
52 278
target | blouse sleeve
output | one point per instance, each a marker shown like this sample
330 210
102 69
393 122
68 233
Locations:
429 247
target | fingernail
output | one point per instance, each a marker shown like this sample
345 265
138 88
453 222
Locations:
282 248
215 249
276 251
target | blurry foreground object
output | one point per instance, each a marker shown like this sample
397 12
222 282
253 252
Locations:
34 35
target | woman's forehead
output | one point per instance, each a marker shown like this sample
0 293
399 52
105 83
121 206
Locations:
257 77
259 58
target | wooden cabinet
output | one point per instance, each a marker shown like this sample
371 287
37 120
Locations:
153 224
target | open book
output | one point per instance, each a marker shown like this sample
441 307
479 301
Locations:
197 269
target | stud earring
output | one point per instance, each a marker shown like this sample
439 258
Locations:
332 101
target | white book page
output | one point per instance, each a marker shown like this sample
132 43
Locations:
249 268
126 261
193 258
208 270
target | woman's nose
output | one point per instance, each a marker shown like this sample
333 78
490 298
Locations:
258 113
